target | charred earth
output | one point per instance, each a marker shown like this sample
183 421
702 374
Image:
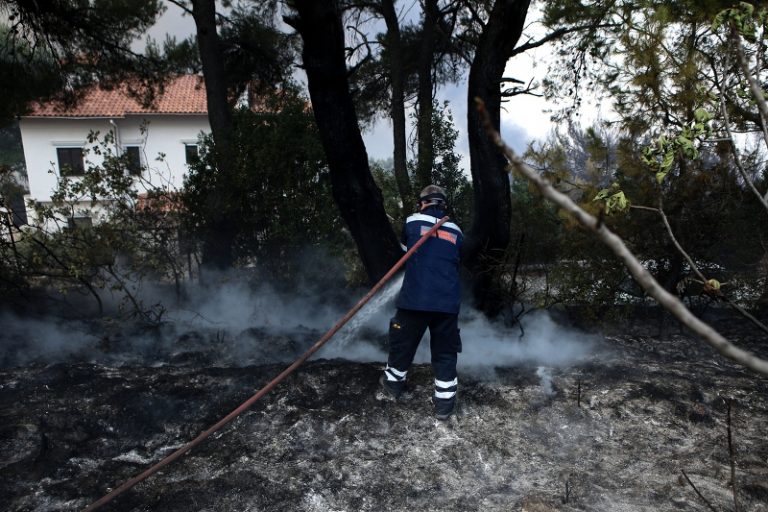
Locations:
613 432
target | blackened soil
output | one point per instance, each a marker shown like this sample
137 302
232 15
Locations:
615 434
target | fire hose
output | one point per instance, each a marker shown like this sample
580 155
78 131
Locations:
274 382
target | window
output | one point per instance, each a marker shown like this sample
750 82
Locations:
192 154
133 154
18 210
70 161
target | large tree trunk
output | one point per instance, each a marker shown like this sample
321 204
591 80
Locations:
220 234
396 72
356 194
426 152
488 237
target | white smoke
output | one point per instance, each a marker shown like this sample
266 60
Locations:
486 344
545 375
26 340
237 305
544 342
236 323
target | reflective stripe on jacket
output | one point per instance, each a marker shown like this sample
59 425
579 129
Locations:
431 280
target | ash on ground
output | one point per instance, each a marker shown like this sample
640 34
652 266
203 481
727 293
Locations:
612 433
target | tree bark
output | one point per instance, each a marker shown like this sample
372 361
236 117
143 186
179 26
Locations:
218 241
425 158
359 199
397 80
488 236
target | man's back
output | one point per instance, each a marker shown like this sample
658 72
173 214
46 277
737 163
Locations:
431 280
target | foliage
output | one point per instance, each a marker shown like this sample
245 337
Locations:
11 151
99 234
446 170
664 65
384 174
536 227
62 46
446 173
709 209
370 79
257 56
278 187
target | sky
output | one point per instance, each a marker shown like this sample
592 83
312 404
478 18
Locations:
524 118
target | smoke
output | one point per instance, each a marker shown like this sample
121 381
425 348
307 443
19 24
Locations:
27 340
237 305
545 375
538 341
236 323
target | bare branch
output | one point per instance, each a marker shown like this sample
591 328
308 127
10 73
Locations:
732 457
735 149
757 91
705 500
516 91
183 6
746 314
679 247
619 248
556 34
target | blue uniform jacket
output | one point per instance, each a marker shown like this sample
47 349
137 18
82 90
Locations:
431 280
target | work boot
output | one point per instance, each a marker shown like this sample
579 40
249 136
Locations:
444 407
393 388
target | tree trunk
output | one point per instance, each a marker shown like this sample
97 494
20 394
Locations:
396 70
488 237
425 159
219 239
359 199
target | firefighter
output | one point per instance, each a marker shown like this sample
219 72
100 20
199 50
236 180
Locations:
429 298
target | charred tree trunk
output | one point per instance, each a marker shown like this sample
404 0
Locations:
426 151
354 191
488 237
396 66
218 241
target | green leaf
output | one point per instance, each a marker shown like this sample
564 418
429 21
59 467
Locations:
666 164
701 115
660 176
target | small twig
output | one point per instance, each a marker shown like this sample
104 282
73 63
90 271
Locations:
734 149
660 211
600 219
705 500
578 393
746 314
679 247
733 458
754 86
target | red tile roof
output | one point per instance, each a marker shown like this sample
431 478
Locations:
183 95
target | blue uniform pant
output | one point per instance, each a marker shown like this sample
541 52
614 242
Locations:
405 332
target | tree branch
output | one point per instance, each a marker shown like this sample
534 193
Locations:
754 87
732 457
556 35
660 211
705 500
619 248
735 149
182 6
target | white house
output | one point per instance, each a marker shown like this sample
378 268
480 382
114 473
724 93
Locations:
55 138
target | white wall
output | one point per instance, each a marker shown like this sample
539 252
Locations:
165 134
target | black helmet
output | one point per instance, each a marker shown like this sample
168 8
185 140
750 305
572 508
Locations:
433 195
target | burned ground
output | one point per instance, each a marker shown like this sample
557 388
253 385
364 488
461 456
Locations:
613 433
